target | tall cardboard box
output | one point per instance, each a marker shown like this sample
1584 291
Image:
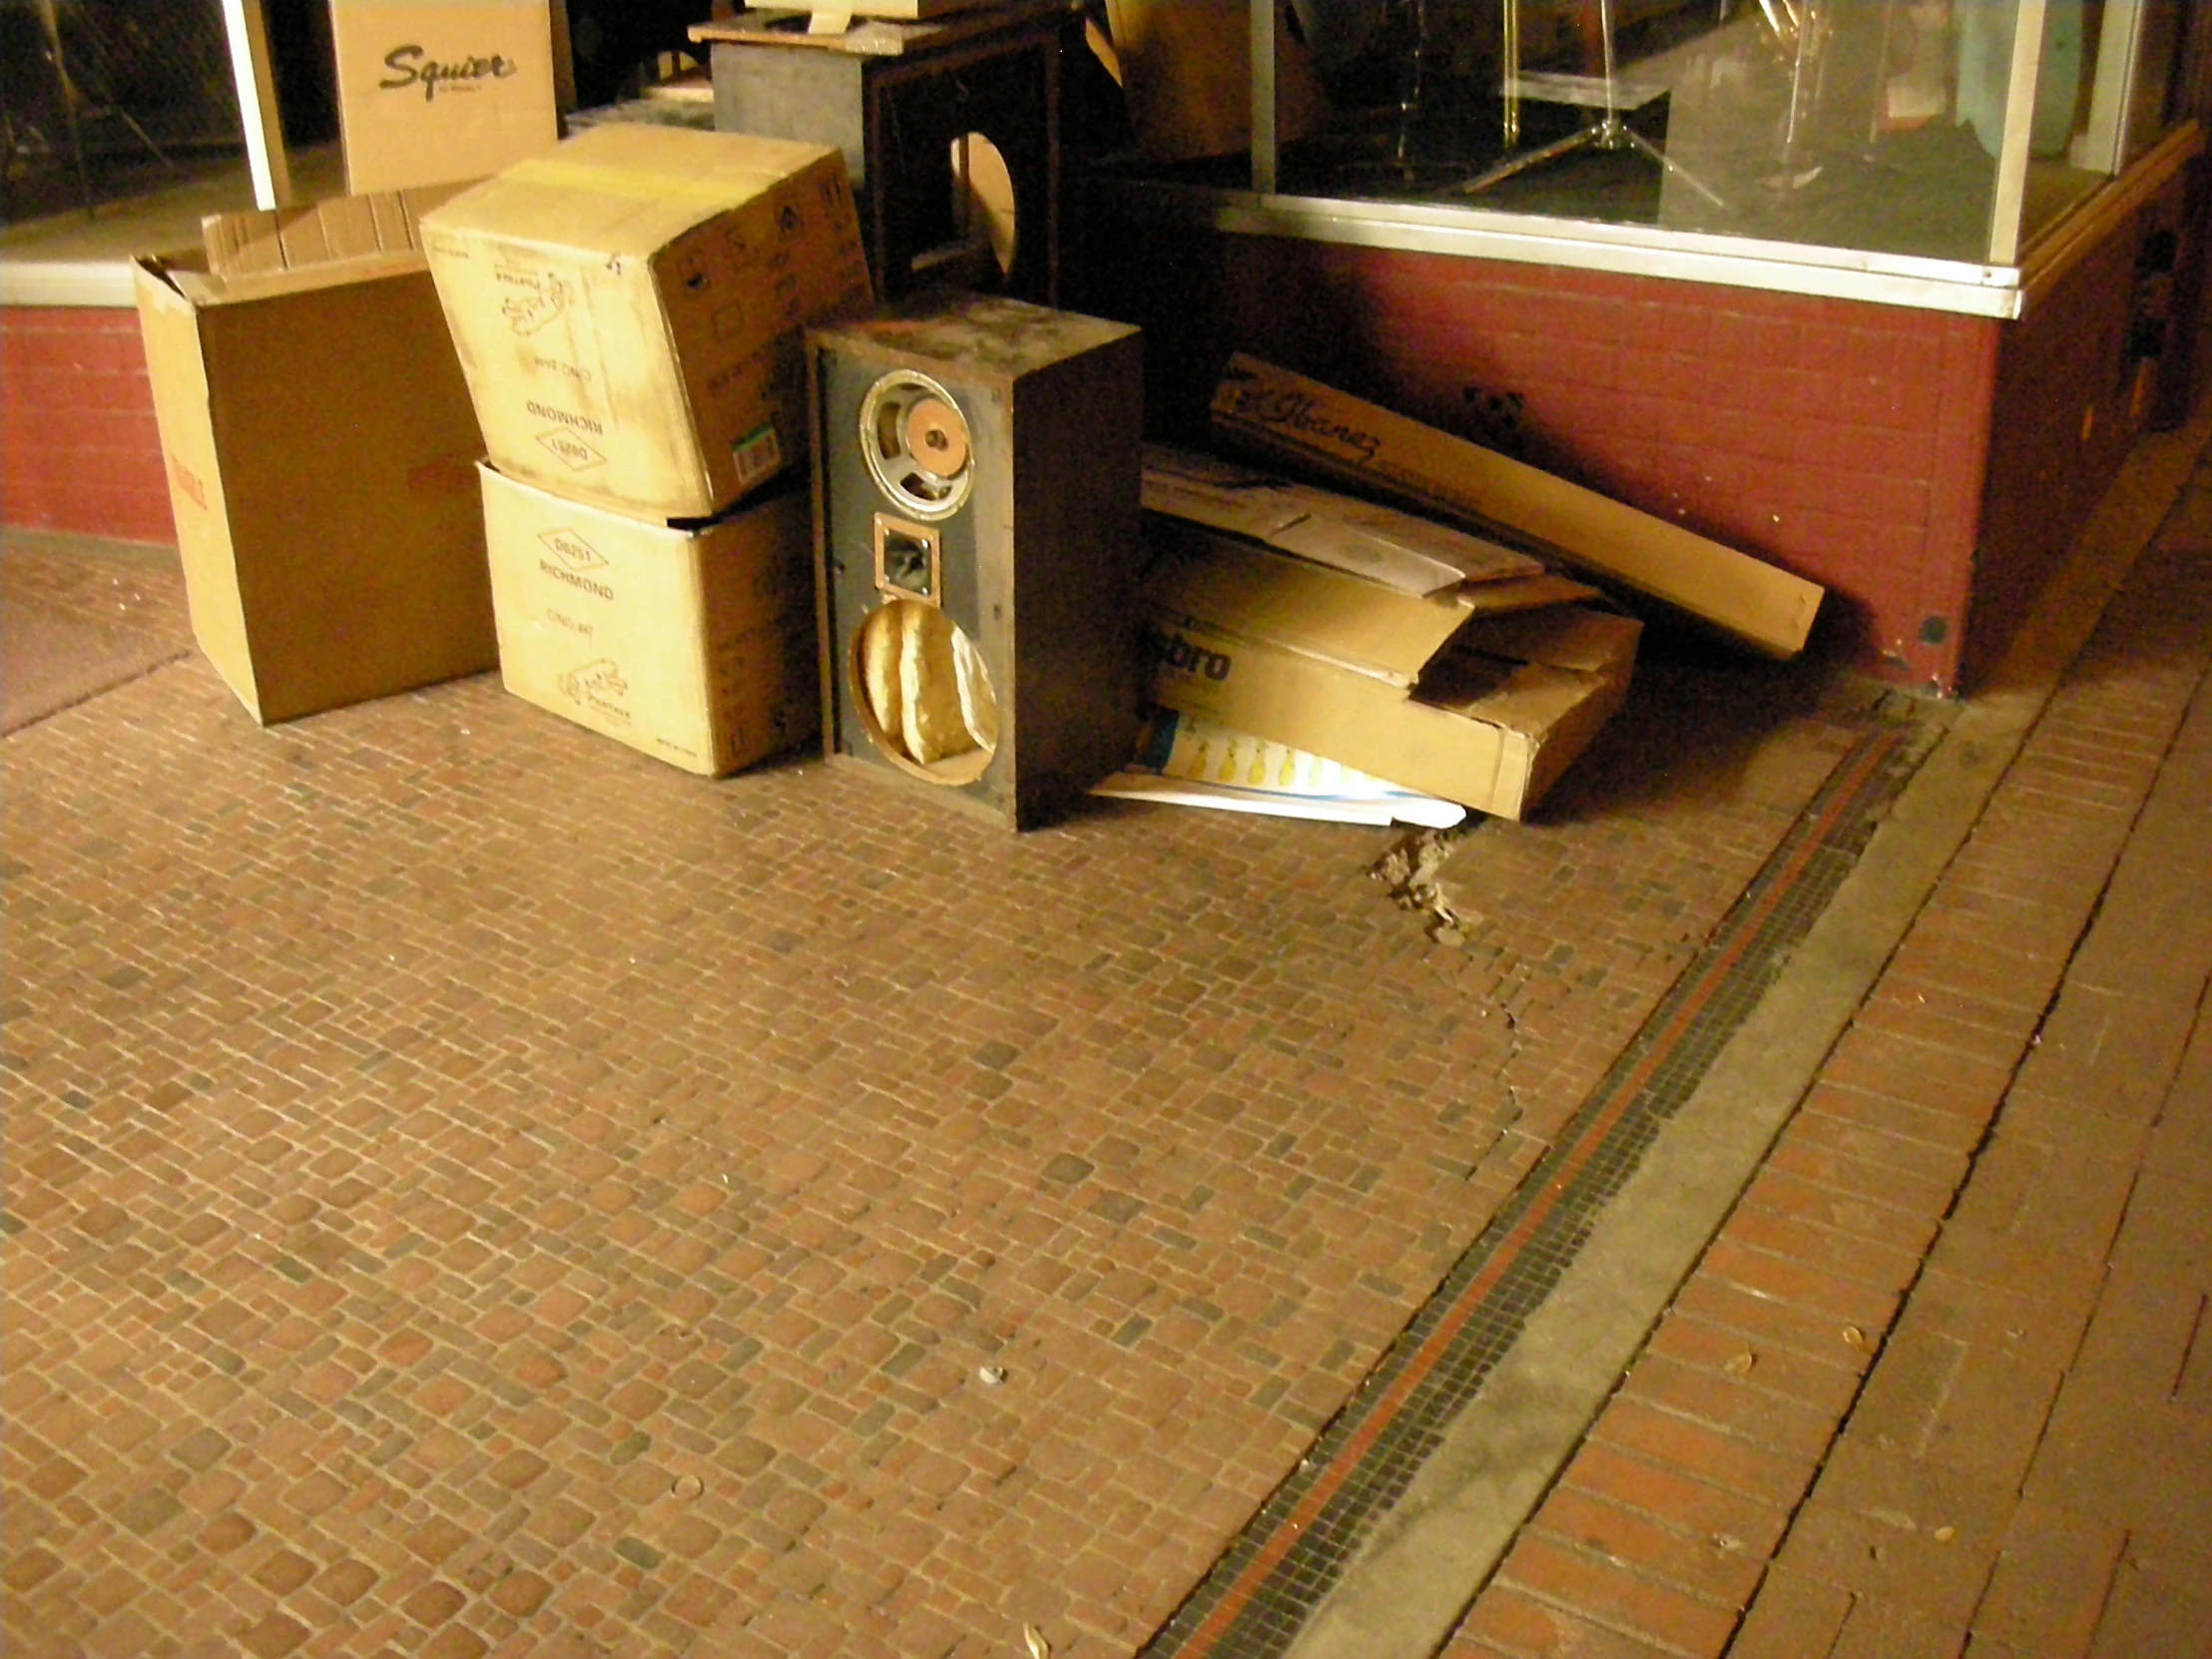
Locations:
431 91
1186 66
320 445
694 643
629 308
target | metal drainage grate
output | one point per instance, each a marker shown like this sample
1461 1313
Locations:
1271 1577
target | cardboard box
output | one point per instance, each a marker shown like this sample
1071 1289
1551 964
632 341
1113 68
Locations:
320 446
1286 417
432 91
629 308
1429 692
909 11
692 643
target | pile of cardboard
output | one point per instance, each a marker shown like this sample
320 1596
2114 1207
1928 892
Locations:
1440 660
553 420
1446 661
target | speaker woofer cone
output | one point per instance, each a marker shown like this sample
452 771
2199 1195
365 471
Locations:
917 444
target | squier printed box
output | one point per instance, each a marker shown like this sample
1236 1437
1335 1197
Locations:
431 91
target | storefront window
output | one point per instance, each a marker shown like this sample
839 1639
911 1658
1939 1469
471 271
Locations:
1924 128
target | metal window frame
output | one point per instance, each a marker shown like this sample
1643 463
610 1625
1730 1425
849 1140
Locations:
264 127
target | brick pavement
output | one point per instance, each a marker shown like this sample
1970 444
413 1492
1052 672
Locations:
1938 1385
471 1190
71 628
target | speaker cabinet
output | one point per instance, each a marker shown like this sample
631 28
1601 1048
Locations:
976 474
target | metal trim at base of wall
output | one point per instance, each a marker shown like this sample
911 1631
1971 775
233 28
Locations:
1990 291
1629 250
102 283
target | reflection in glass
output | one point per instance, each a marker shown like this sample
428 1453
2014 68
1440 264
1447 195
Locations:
1875 124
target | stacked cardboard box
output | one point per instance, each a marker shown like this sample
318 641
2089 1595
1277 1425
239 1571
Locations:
629 310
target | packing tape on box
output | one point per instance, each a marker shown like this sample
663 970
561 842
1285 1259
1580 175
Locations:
732 189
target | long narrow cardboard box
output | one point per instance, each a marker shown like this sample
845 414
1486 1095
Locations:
1286 416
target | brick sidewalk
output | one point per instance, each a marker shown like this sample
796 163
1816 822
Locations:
471 1190
1941 1383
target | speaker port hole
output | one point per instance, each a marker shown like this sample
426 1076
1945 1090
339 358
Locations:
924 694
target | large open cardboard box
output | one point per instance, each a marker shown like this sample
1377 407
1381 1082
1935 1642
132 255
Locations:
694 643
429 93
1432 693
321 448
629 308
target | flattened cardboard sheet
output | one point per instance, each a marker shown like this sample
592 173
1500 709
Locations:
1413 555
1483 709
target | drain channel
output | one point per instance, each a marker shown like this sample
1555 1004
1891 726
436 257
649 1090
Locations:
1259 1595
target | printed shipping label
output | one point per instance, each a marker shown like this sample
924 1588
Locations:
758 455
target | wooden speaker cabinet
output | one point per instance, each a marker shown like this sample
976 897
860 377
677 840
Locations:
902 99
977 474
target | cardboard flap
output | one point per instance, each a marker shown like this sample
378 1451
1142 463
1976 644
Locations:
1215 493
1413 555
1589 642
1531 700
1527 593
155 277
207 291
1364 524
1252 594
258 240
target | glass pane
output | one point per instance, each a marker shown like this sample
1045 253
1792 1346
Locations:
104 98
1873 125
2109 78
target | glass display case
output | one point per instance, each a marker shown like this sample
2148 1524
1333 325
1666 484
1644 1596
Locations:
1925 142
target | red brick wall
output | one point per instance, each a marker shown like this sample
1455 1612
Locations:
1842 440
2067 409
78 447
